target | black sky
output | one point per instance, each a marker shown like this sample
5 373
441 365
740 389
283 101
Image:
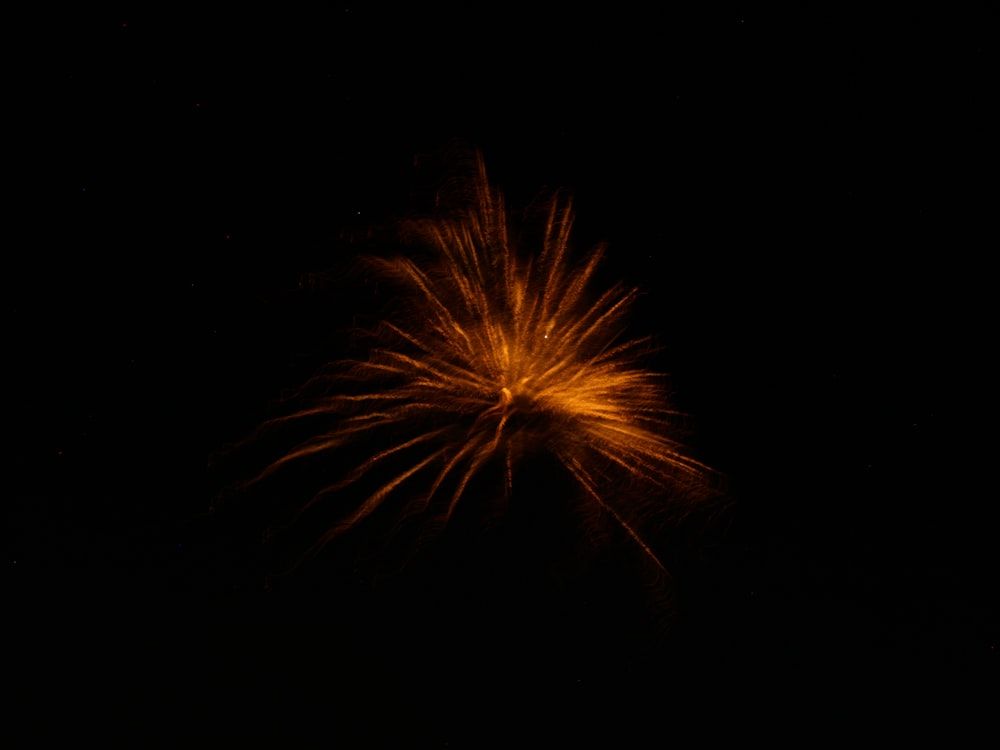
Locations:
803 199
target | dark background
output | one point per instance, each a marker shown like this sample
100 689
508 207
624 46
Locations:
802 198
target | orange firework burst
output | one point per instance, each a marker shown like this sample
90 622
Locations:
496 355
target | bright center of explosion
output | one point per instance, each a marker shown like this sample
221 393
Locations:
506 398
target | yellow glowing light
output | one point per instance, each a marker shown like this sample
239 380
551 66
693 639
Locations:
461 383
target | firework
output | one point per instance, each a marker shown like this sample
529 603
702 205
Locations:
492 355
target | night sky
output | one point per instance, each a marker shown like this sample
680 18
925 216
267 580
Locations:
803 201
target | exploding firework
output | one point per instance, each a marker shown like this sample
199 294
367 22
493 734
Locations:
494 355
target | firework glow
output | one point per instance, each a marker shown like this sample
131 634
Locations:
494 354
